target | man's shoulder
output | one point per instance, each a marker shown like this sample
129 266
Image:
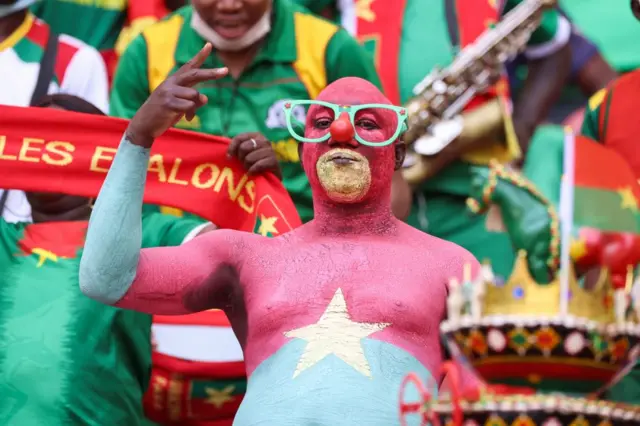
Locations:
70 47
76 53
446 250
628 83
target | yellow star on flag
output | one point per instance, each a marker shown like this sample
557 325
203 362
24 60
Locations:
217 397
363 10
628 199
267 225
337 334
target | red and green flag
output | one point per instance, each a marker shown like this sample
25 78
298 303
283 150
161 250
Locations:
606 198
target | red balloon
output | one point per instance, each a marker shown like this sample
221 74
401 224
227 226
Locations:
615 256
341 129
618 281
635 250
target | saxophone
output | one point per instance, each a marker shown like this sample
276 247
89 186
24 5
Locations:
443 94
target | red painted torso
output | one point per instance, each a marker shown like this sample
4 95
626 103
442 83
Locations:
288 283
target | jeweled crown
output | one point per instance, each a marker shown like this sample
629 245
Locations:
522 296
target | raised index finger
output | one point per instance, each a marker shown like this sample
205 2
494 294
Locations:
197 61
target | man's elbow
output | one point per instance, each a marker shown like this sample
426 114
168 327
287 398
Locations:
105 285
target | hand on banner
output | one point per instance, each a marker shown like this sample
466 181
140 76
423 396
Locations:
174 98
255 152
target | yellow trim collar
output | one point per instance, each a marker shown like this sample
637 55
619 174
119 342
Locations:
18 34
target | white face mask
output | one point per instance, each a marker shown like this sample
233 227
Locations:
255 33
8 9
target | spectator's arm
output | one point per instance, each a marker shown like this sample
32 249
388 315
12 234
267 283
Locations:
130 87
86 76
345 57
549 63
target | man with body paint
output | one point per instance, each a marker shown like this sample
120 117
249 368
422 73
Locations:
332 315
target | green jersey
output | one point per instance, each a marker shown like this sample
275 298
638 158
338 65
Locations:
301 55
67 359
97 23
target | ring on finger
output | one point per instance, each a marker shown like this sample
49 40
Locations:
254 143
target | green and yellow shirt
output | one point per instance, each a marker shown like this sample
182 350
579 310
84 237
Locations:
300 56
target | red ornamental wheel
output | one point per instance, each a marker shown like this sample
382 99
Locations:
452 370
422 406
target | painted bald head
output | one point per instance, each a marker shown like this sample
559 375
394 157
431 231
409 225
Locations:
342 169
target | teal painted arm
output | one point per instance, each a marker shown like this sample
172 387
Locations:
112 248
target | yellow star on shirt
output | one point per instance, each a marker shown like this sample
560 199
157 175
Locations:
217 397
628 199
335 334
267 225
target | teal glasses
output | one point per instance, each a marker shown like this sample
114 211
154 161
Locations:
364 119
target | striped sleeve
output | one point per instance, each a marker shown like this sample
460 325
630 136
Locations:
552 34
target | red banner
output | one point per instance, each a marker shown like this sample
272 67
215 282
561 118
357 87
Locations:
59 151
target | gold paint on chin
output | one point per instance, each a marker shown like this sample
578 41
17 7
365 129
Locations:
344 183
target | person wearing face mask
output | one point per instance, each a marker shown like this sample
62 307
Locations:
274 51
34 62
332 315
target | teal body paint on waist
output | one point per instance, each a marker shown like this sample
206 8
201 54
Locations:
331 392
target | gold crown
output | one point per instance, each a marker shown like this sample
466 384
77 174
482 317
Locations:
521 295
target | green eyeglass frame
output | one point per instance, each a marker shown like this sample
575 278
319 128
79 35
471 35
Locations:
351 110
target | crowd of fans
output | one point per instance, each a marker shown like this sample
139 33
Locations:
106 57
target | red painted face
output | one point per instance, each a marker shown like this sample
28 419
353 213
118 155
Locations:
341 169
